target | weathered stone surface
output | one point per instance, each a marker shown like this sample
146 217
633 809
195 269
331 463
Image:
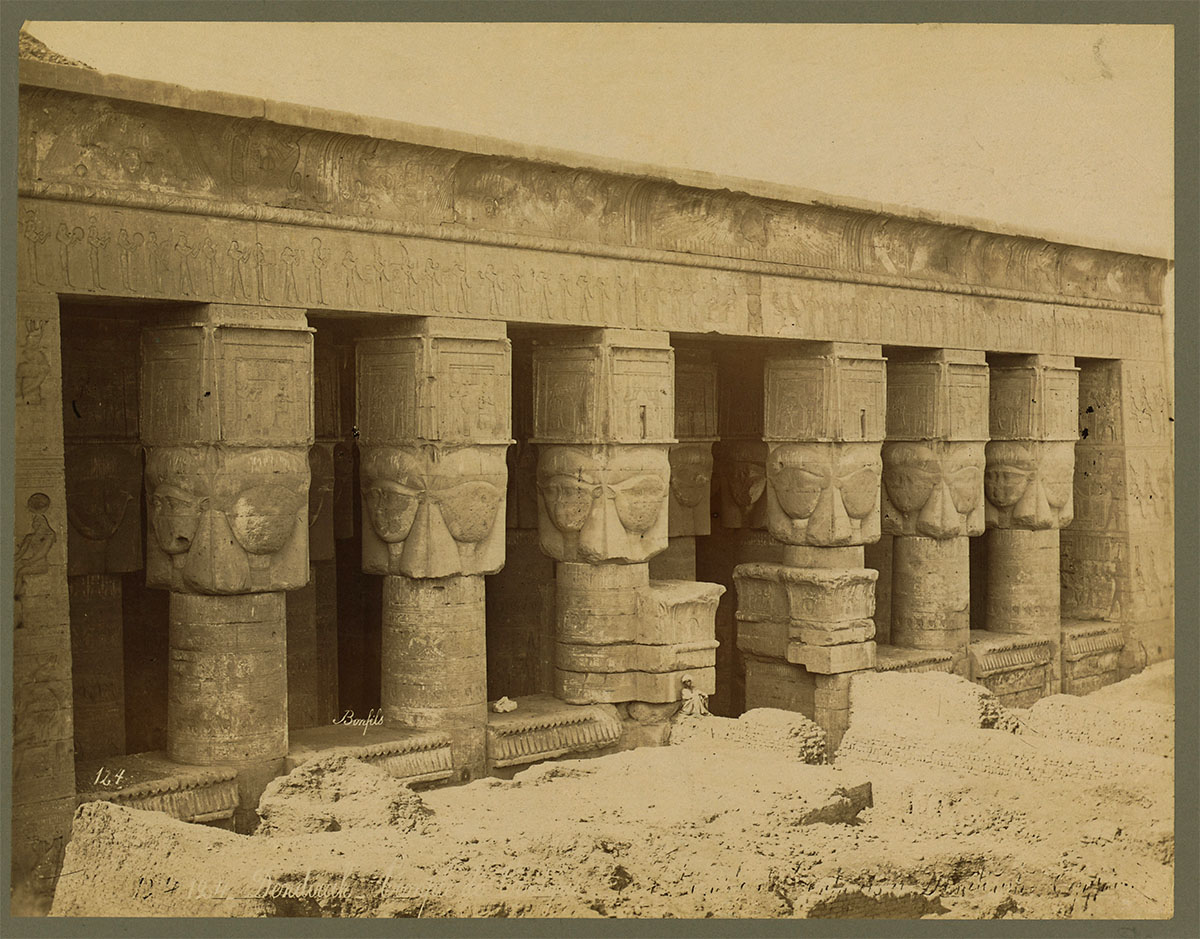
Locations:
435 660
153 783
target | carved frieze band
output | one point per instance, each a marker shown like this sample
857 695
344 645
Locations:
81 147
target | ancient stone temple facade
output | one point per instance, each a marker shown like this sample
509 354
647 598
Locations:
330 437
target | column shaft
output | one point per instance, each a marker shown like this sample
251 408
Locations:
931 595
435 659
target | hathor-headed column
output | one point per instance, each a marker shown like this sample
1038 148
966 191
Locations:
823 424
227 420
1029 483
688 506
603 423
933 461
434 425
104 519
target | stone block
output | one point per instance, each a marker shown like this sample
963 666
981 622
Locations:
835 394
542 728
829 660
154 783
636 657
677 611
229 385
413 757
613 688
604 386
448 381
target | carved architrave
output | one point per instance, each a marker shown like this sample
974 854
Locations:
227 520
433 511
824 494
598 503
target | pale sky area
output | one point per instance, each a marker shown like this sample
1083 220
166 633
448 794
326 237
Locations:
1060 131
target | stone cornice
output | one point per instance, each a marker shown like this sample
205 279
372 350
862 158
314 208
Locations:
116 151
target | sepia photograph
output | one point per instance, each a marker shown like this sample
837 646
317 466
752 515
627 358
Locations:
591 470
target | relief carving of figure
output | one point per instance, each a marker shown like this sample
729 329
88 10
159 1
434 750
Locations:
126 246
320 502
34 549
290 257
603 503
104 482
237 278
208 248
433 511
320 259
33 366
382 280
95 241
34 234
934 488
186 253
1029 484
461 289
65 238
260 274
824 494
226 521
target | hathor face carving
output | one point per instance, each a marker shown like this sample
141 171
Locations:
227 521
691 489
824 494
102 485
933 489
741 473
603 503
433 512
1029 484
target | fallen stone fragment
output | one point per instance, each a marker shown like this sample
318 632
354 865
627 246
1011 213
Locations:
334 793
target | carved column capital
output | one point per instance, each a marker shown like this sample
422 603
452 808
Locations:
227 420
933 460
1029 480
824 424
434 425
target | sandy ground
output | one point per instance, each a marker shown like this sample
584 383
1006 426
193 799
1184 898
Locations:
1068 816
